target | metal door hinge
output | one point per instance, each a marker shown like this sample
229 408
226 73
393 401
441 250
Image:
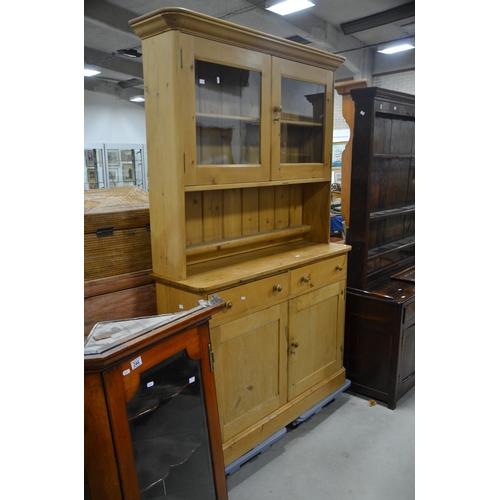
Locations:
211 357
104 231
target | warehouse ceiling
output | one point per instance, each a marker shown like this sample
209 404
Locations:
351 28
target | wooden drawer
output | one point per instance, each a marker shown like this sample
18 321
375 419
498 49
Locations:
322 273
252 296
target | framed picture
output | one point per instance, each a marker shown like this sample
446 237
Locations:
113 176
128 172
126 154
337 150
113 158
337 176
89 158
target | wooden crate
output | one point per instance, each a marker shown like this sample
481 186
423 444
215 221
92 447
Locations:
130 295
117 237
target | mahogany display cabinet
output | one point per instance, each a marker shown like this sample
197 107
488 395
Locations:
380 306
151 420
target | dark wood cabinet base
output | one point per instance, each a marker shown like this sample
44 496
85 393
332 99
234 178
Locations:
380 340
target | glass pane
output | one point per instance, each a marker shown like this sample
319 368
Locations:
302 121
169 432
93 169
227 115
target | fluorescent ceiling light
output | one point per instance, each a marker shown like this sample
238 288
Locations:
395 48
90 70
289 6
137 98
129 53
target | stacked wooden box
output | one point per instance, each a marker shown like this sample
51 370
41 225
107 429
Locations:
117 255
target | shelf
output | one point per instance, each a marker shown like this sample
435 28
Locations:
392 156
160 395
268 238
392 212
391 247
159 454
301 124
228 117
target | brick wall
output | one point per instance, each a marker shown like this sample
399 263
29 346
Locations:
402 82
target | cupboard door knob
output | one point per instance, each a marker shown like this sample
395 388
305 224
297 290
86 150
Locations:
338 268
304 279
295 344
229 305
278 288
278 109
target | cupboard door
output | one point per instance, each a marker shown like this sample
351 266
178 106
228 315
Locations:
227 120
407 359
249 368
302 121
315 340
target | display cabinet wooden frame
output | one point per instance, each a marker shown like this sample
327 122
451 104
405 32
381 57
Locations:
116 446
239 127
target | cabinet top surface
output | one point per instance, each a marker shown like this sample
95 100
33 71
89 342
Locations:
211 276
383 94
195 23
111 341
388 288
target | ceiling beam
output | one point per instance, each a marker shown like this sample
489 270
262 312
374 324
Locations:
115 63
104 87
111 15
385 17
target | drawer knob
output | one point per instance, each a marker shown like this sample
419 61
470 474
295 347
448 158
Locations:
278 288
304 279
229 305
338 268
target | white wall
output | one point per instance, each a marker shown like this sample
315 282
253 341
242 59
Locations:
108 119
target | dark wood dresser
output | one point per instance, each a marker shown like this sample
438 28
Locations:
380 305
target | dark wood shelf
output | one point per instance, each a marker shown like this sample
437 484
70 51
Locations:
392 212
396 246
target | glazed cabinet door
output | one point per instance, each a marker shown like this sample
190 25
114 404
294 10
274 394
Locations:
226 116
315 340
158 411
302 121
250 368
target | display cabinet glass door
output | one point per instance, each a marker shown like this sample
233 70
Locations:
93 170
232 135
302 122
169 432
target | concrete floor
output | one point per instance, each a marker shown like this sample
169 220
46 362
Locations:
348 451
